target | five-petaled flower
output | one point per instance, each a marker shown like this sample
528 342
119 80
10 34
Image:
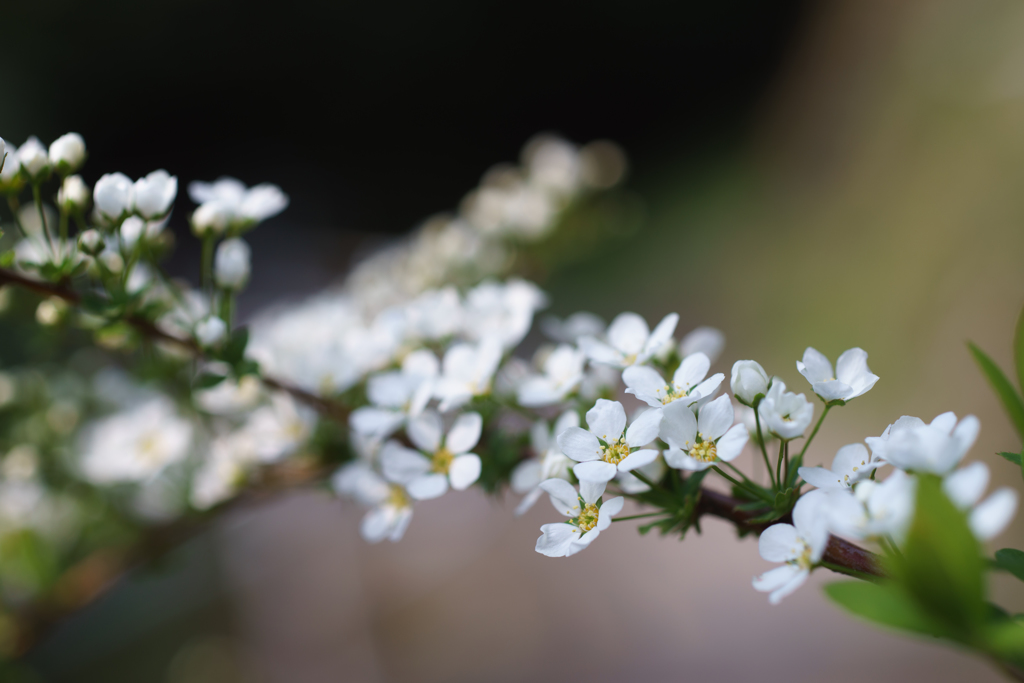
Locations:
852 463
629 340
851 379
688 385
588 517
696 442
799 545
441 461
783 413
608 447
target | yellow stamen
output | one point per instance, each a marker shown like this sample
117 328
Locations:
588 518
442 460
705 451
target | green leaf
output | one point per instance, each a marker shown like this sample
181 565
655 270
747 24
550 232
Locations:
235 348
884 603
1009 396
1005 639
1012 560
942 568
208 380
1012 457
1018 349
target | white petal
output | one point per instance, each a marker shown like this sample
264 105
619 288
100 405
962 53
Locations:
400 464
538 391
607 419
377 423
579 444
556 538
637 460
599 352
779 543
832 390
595 471
691 372
400 524
465 433
425 431
660 336
990 517
715 418
390 389
775 578
794 583
944 422
563 496
628 333
687 462
644 428
591 491
582 542
815 366
732 443
464 471
528 501
821 477
375 525
852 369
569 418
428 486
643 380
706 340
966 486
526 476
966 433
678 425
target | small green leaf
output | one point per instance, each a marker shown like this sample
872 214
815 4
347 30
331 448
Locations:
235 348
1012 457
1012 560
942 568
1005 639
7 258
884 603
208 380
1009 396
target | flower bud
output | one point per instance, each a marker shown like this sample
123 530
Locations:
91 242
73 193
112 195
33 159
131 230
67 153
50 311
112 261
211 331
231 265
154 194
211 218
3 153
748 380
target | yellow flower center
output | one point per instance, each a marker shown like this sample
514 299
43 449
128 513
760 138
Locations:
397 497
803 560
588 518
704 451
149 448
442 460
671 394
615 452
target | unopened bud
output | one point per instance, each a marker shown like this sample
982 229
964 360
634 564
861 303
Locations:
91 242
231 266
67 153
211 331
211 218
112 195
33 159
73 193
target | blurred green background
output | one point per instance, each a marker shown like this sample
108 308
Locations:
835 174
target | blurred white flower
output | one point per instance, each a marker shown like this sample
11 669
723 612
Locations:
11 170
799 545
563 372
588 517
232 264
502 311
608 448
154 195
396 395
783 413
91 241
629 340
569 330
112 195
33 159
706 340
698 442
872 509
391 507
245 206
135 444
230 397
936 448
73 193
987 518
467 371
441 461
748 381
67 153
211 331
852 463
852 377
280 428
548 461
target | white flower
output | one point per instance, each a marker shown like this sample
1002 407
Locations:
706 340
629 340
852 463
112 195
73 193
391 508
230 397
223 471
440 462
852 377
548 462
783 413
563 372
588 517
502 311
11 167
990 517
211 331
608 447
688 384
937 447
577 325
245 206
396 395
872 509
231 265
748 380
800 545
132 230
467 371
279 429
879 444
135 444
33 158
698 442
3 153
210 218
153 195
67 153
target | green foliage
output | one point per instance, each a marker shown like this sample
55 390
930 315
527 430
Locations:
1008 395
1012 560
499 454
678 499
883 603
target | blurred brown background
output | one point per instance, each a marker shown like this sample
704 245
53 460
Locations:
872 198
